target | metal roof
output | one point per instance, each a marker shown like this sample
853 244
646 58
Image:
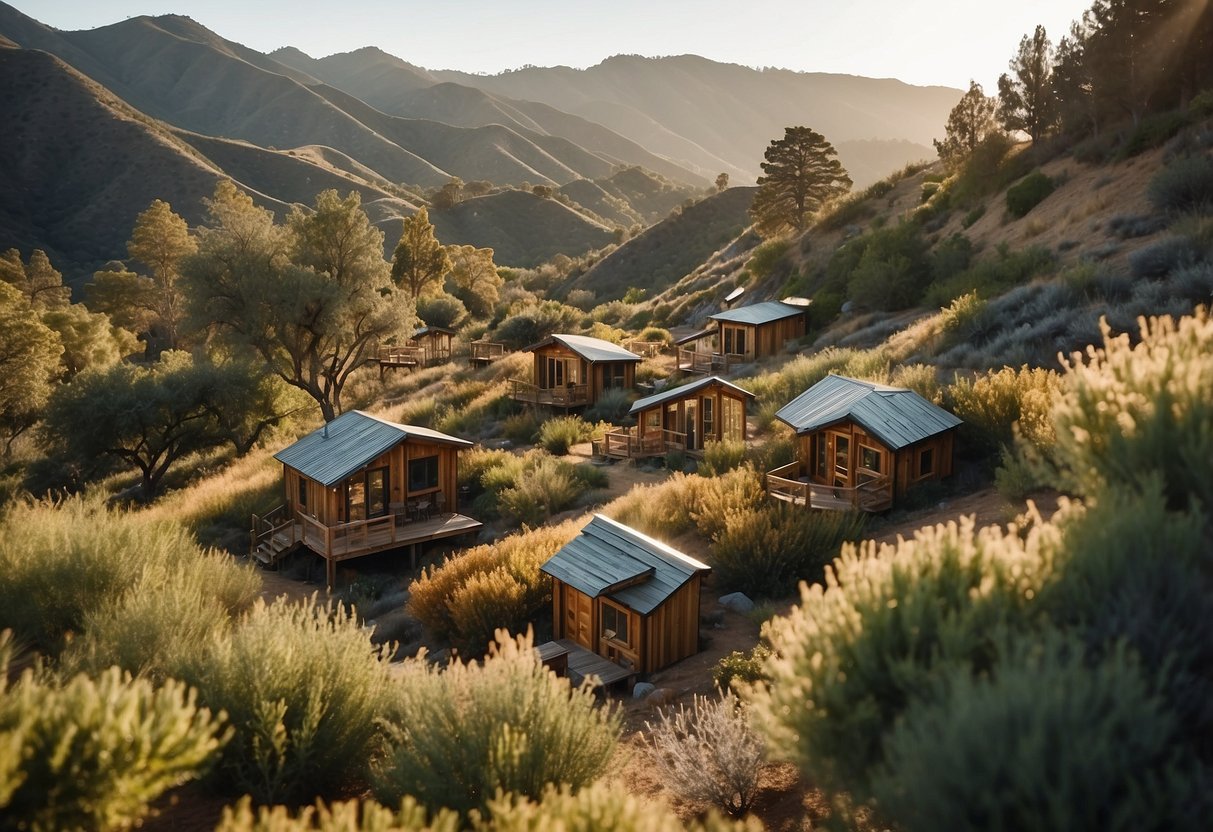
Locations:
330 454
896 416
695 336
426 330
607 554
684 391
591 349
759 313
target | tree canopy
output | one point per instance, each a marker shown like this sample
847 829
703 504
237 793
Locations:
971 120
801 173
419 259
473 279
1025 96
29 363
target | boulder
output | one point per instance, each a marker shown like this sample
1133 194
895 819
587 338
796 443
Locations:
643 689
737 602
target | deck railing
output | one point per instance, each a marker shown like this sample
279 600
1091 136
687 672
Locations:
786 483
708 362
570 395
645 349
486 351
396 356
627 443
276 524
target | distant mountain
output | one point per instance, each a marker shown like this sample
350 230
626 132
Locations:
720 117
662 254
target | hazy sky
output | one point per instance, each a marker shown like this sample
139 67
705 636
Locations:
925 42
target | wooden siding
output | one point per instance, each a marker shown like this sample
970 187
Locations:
761 340
671 632
594 375
675 420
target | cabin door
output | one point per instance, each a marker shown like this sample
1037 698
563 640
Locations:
579 618
840 449
692 424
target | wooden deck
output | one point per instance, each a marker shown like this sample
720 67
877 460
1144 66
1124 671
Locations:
409 358
586 667
708 363
485 352
789 485
572 395
624 443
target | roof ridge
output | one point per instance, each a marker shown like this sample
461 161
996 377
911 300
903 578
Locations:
625 530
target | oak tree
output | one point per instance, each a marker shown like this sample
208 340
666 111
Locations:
801 173
419 259
29 364
473 279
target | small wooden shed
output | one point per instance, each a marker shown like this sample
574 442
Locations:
684 418
741 335
862 445
625 596
436 343
573 371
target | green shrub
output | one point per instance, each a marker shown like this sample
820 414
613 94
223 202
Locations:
743 668
921 378
94 753
971 218
348 816
547 488
685 502
556 435
520 728
303 687
950 257
441 310
1151 131
1184 185
600 806
893 270
1076 747
998 405
876 636
65 562
764 260
765 552
1168 255
511 565
655 334
612 406
992 276
1136 414
521 428
719 457
1027 193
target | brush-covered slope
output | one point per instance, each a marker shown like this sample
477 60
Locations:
521 228
670 249
593 198
704 113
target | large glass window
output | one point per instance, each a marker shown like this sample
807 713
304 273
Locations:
870 459
423 474
614 375
301 500
615 623
376 492
355 500
709 422
734 419
820 446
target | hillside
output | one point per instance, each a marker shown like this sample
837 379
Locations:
670 249
720 117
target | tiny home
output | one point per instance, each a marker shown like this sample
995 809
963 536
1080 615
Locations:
738 336
360 485
684 418
623 595
861 445
573 371
435 342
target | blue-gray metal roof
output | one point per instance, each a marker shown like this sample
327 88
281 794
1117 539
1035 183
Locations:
330 454
591 349
759 313
607 554
684 391
894 415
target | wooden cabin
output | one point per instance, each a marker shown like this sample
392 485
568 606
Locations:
572 371
360 485
741 335
684 418
862 445
435 342
626 597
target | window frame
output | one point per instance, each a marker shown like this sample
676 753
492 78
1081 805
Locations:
437 478
620 613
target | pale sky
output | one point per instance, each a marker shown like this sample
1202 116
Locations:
927 42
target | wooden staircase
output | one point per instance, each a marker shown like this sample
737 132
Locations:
273 536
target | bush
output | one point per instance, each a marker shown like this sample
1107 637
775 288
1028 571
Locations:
766 258
547 488
600 806
1076 746
719 457
708 752
950 257
612 406
435 597
743 668
993 276
685 502
520 728
893 270
92 754
1160 259
764 552
877 634
441 310
521 428
1027 193
655 334
303 688
558 434
1151 131
348 816
998 406
973 216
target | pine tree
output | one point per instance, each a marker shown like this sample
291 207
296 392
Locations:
1025 97
971 120
419 259
801 173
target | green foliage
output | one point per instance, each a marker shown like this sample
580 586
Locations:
1170 254
556 435
29 363
520 428
1027 193
720 457
950 257
600 806
1184 185
348 816
992 276
520 728
547 487
1078 747
1152 131
419 260
685 502
303 688
90 340
880 631
510 566
66 564
634 294
441 310
765 552
776 388
533 323
801 173
742 668
997 407
1026 99
969 123
766 258
612 406
94 753
893 270
973 216
1137 414
655 333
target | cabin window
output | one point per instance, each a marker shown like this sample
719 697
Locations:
734 340
652 420
615 623
671 418
926 463
709 426
554 373
734 419
376 492
614 375
301 499
820 447
355 500
423 473
870 459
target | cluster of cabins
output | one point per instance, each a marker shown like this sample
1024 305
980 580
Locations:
622 603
